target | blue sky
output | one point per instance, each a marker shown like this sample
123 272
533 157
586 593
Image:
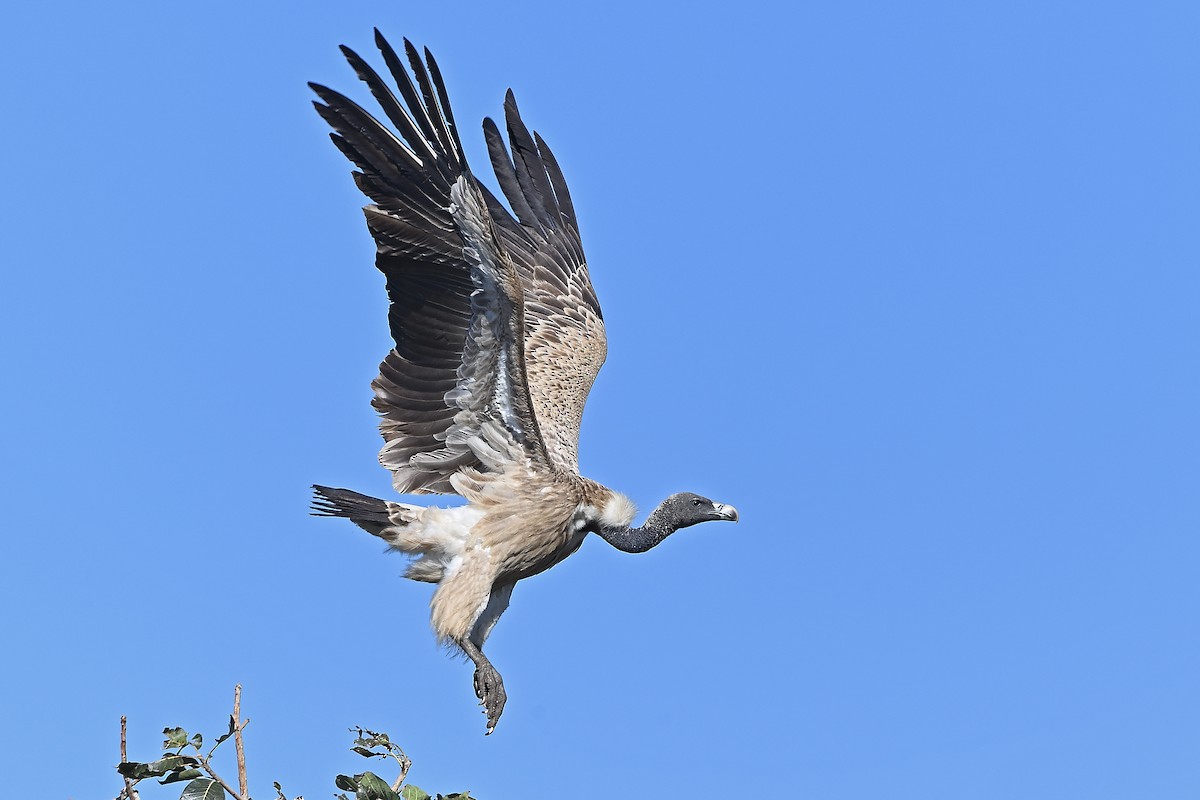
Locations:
913 285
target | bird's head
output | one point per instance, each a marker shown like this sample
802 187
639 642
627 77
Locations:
684 509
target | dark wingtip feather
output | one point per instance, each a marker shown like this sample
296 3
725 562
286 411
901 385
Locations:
435 115
329 96
439 84
506 176
557 180
531 171
411 50
358 63
381 41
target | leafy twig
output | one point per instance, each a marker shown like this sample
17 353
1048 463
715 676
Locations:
366 743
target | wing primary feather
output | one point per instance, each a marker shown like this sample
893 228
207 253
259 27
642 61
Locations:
405 85
355 123
568 229
376 150
365 153
561 193
506 175
531 172
383 95
444 100
431 106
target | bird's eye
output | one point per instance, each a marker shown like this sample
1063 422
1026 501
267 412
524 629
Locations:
695 502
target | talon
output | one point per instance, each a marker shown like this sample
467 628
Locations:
489 688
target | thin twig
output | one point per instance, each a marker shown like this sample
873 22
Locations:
130 793
213 774
239 746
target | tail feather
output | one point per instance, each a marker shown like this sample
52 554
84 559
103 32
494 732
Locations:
368 513
434 542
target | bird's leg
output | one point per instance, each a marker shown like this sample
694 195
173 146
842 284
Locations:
489 687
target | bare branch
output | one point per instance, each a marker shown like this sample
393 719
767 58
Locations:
238 744
129 793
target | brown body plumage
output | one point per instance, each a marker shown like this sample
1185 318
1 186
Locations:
498 339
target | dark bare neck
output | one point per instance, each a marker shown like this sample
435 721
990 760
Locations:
638 540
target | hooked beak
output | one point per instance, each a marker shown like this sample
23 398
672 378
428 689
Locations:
726 511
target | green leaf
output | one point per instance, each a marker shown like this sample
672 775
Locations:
203 789
373 787
279 795
410 792
374 739
176 737
365 753
346 782
155 769
181 775
197 741
173 762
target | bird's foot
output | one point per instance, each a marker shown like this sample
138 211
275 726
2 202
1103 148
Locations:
489 688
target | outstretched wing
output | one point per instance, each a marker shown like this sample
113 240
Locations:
565 344
453 391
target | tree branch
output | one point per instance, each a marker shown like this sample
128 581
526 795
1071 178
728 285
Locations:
405 765
129 793
239 746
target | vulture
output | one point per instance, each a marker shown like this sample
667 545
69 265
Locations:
498 338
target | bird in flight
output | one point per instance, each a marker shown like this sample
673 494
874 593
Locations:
498 338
